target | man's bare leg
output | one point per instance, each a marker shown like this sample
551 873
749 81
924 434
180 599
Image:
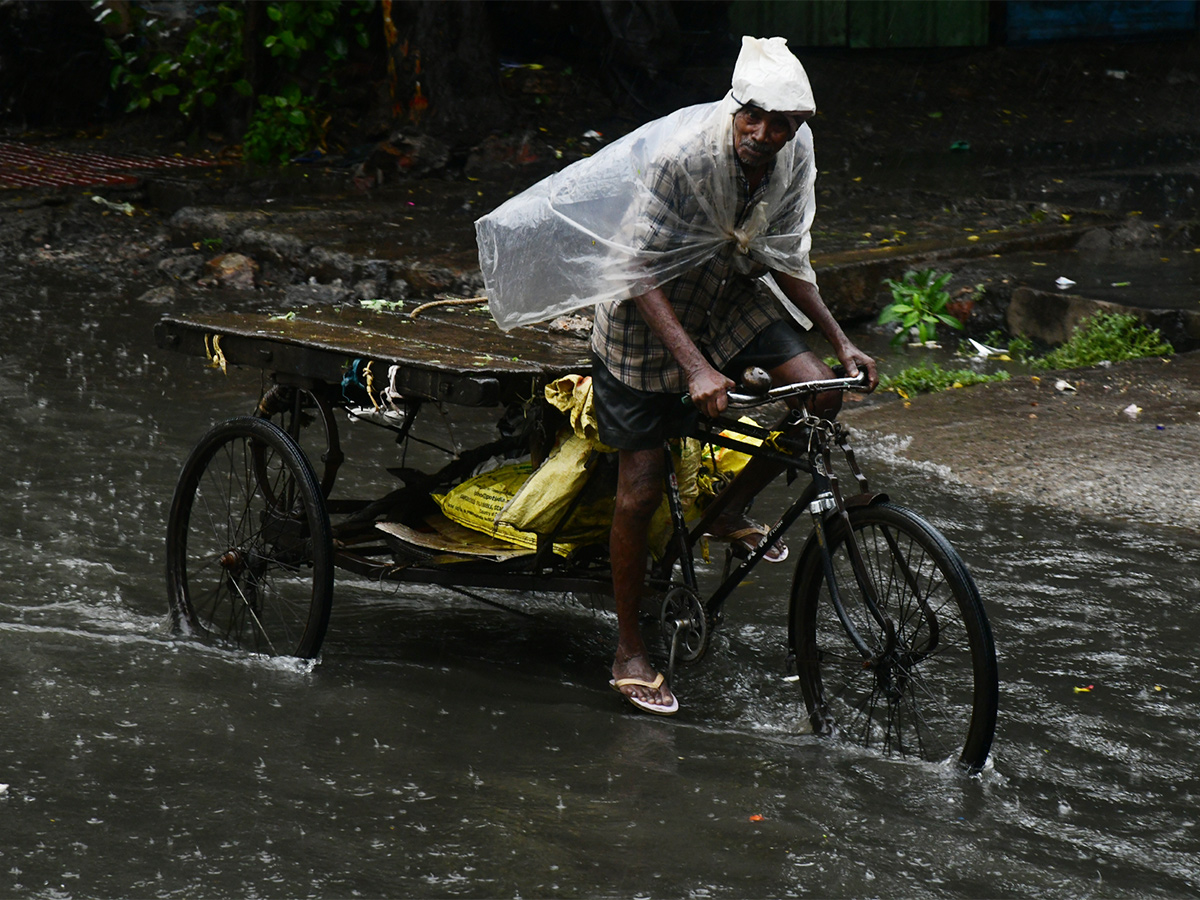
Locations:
759 471
639 493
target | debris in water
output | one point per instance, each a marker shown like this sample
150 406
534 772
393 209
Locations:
232 270
580 326
381 305
1064 386
1085 690
1132 410
756 818
124 208
983 351
1063 282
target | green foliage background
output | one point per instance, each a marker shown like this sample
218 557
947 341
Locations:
305 42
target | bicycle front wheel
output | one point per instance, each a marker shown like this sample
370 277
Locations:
912 670
249 548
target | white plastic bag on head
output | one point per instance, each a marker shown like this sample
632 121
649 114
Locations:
596 232
770 77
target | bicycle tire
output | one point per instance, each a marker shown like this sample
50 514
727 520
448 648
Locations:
314 430
249 544
934 694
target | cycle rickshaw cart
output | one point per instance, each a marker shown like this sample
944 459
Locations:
887 636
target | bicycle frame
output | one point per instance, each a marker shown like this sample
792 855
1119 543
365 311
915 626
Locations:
808 450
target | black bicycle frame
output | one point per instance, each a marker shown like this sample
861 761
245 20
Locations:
821 498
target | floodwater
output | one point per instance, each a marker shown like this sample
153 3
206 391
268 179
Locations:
444 748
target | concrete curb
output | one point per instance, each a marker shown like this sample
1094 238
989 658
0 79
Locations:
851 279
1052 317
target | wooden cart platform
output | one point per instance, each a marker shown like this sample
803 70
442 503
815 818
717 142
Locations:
445 355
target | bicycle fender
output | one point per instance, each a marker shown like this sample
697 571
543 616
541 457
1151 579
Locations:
810 554
868 498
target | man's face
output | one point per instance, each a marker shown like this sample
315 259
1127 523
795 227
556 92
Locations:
758 135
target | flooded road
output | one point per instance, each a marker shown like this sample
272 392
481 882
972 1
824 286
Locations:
443 748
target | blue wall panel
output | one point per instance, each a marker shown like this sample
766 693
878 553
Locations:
1032 21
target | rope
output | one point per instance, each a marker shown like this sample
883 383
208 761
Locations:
216 356
447 300
370 383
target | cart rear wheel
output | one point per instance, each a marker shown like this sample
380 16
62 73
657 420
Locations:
929 687
308 419
249 550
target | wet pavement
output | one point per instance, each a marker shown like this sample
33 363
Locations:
1116 444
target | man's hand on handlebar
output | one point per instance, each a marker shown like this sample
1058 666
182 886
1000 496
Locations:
709 391
854 359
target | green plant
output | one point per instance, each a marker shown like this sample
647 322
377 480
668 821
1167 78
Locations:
209 64
918 301
930 378
317 26
281 127
306 43
1106 336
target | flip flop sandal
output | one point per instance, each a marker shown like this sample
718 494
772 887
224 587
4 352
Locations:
655 708
748 538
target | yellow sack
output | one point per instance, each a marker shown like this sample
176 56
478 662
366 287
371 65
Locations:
515 503
572 394
721 464
478 501
540 502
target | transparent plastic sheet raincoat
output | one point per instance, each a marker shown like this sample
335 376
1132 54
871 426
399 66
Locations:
580 237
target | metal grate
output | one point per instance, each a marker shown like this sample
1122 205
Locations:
24 166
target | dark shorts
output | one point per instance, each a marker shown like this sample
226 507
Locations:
630 419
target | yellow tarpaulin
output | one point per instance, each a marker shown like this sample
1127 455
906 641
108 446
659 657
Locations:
515 503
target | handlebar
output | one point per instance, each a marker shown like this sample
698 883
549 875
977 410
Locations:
859 384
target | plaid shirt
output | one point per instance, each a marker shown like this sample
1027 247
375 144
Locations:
719 307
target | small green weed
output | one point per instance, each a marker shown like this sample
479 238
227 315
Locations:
918 301
1020 348
1106 336
930 378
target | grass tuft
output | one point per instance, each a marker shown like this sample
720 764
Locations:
1106 336
929 378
